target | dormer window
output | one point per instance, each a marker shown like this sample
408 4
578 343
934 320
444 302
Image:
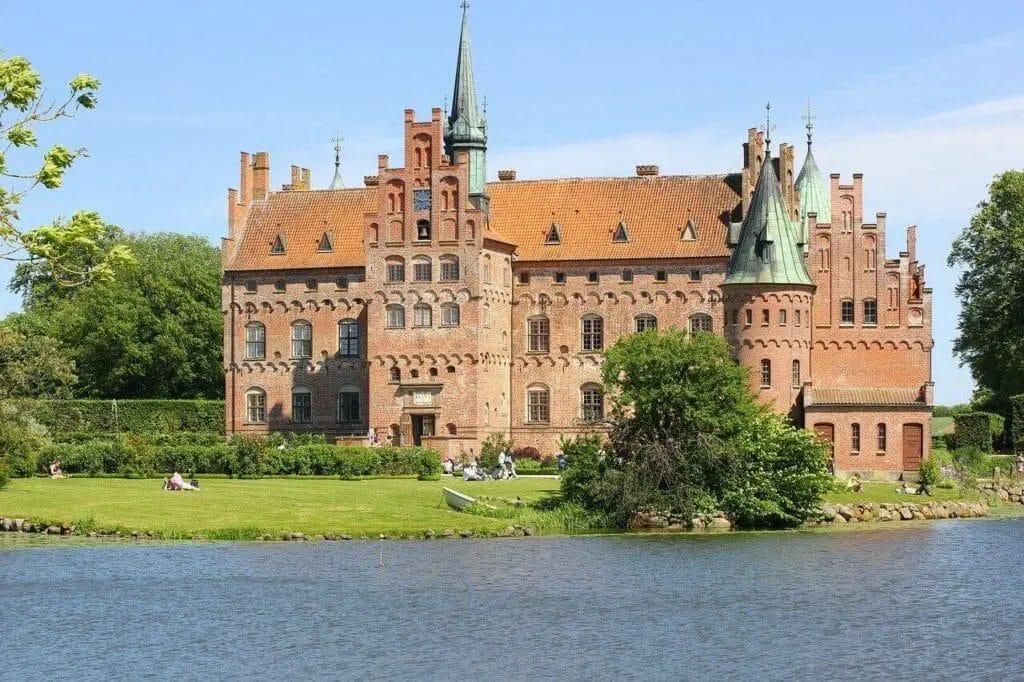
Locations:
620 234
423 230
554 234
277 246
326 245
689 233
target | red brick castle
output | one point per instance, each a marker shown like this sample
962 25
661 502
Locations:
434 307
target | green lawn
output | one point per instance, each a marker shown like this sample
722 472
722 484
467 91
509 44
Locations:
272 506
886 492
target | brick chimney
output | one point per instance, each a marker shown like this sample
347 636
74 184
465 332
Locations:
506 175
260 175
647 170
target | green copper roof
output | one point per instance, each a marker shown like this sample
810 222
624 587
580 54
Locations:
465 122
768 251
814 196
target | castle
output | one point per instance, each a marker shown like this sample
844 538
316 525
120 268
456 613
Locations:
433 307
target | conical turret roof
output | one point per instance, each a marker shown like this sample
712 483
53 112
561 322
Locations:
465 122
768 250
814 195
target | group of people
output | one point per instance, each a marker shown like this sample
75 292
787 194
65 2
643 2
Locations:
474 471
56 470
176 482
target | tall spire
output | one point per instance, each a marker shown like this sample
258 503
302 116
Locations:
768 250
337 183
814 196
466 126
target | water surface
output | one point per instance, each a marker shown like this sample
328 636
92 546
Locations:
936 601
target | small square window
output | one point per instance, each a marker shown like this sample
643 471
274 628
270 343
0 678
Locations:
414 373
592 277
279 286
250 286
627 275
559 278
735 317
749 318
661 276
782 318
342 282
766 317
696 275
524 278
311 285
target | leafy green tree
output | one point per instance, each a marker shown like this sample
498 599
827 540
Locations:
991 291
33 366
23 108
154 331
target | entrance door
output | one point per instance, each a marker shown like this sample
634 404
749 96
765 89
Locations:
826 432
913 435
422 425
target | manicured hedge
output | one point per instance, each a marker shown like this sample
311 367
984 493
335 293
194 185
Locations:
1017 422
132 416
973 430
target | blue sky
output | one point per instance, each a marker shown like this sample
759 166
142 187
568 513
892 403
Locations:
924 98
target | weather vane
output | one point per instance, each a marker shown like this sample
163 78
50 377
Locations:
464 4
768 127
337 140
809 117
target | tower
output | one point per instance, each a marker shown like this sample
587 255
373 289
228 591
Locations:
466 127
767 295
336 182
814 196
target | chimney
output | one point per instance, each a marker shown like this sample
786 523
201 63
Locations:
506 175
245 189
371 180
647 170
307 179
260 175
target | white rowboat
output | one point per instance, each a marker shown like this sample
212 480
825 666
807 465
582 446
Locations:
457 500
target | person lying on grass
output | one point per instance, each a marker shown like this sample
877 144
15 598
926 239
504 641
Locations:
176 482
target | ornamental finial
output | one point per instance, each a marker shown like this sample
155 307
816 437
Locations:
809 117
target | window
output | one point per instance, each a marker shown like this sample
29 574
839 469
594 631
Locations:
554 234
696 275
627 275
796 374
782 317
700 323
255 341
450 369
348 406
256 406
449 268
620 234
302 406
342 281
881 437
766 373
538 335
524 278
485 270
421 269
538 405
302 340
348 339
593 333
870 311
277 247
311 285
645 322
279 286
396 270
661 276
855 437
396 316
486 315
846 312
796 317
735 317
766 317
592 277
450 315
250 286
423 230
592 403
325 243
395 375
414 373
432 371
422 315
749 317
559 278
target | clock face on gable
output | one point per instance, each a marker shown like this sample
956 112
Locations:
421 200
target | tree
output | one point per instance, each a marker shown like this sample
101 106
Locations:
153 331
22 110
33 366
991 291
688 436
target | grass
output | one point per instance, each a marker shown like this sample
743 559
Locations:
233 509
886 492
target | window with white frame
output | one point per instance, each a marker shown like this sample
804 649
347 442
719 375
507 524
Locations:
256 406
302 406
645 322
591 403
450 314
396 270
255 341
766 373
302 339
449 268
538 335
348 339
421 269
592 328
422 315
396 316
348 405
538 405
700 322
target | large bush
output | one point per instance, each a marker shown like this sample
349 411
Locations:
129 416
973 429
493 445
22 442
1017 422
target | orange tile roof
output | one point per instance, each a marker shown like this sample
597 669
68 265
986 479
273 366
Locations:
654 209
587 210
867 396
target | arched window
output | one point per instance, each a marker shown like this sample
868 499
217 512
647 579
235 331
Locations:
449 268
893 291
255 341
766 373
487 315
487 270
487 414
422 269
846 311
855 438
700 322
396 316
432 371
422 315
450 314
348 339
796 317
423 230
302 405
870 311
782 317
302 339
395 374
591 403
796 374
256 406
592 328
538 335
869 252
538 404
881 438
824 254
395 269
452 429
645 322
348 404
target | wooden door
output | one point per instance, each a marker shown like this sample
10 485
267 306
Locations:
826 432
913 435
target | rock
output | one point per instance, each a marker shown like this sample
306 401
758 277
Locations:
844 512
448 533
345 537
884 515
53 530
697 523
320 537
18 524
906 514
465 533
839 518
8 525
429 534
92 534
509 532
918 516
719 524
527 531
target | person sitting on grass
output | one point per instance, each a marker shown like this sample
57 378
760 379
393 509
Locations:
923 489
471 473
856 485
55 469
176 482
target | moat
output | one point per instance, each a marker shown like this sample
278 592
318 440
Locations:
933 601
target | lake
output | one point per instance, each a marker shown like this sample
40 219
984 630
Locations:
931 601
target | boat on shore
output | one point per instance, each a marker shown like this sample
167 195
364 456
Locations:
457 500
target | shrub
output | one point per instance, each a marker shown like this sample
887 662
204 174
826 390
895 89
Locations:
491 448
930 472
949 441
5 474
527 466
132 416
973 430
971 459
248 458
135 457
196 459
1017 422
22 441
524 453
351 461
